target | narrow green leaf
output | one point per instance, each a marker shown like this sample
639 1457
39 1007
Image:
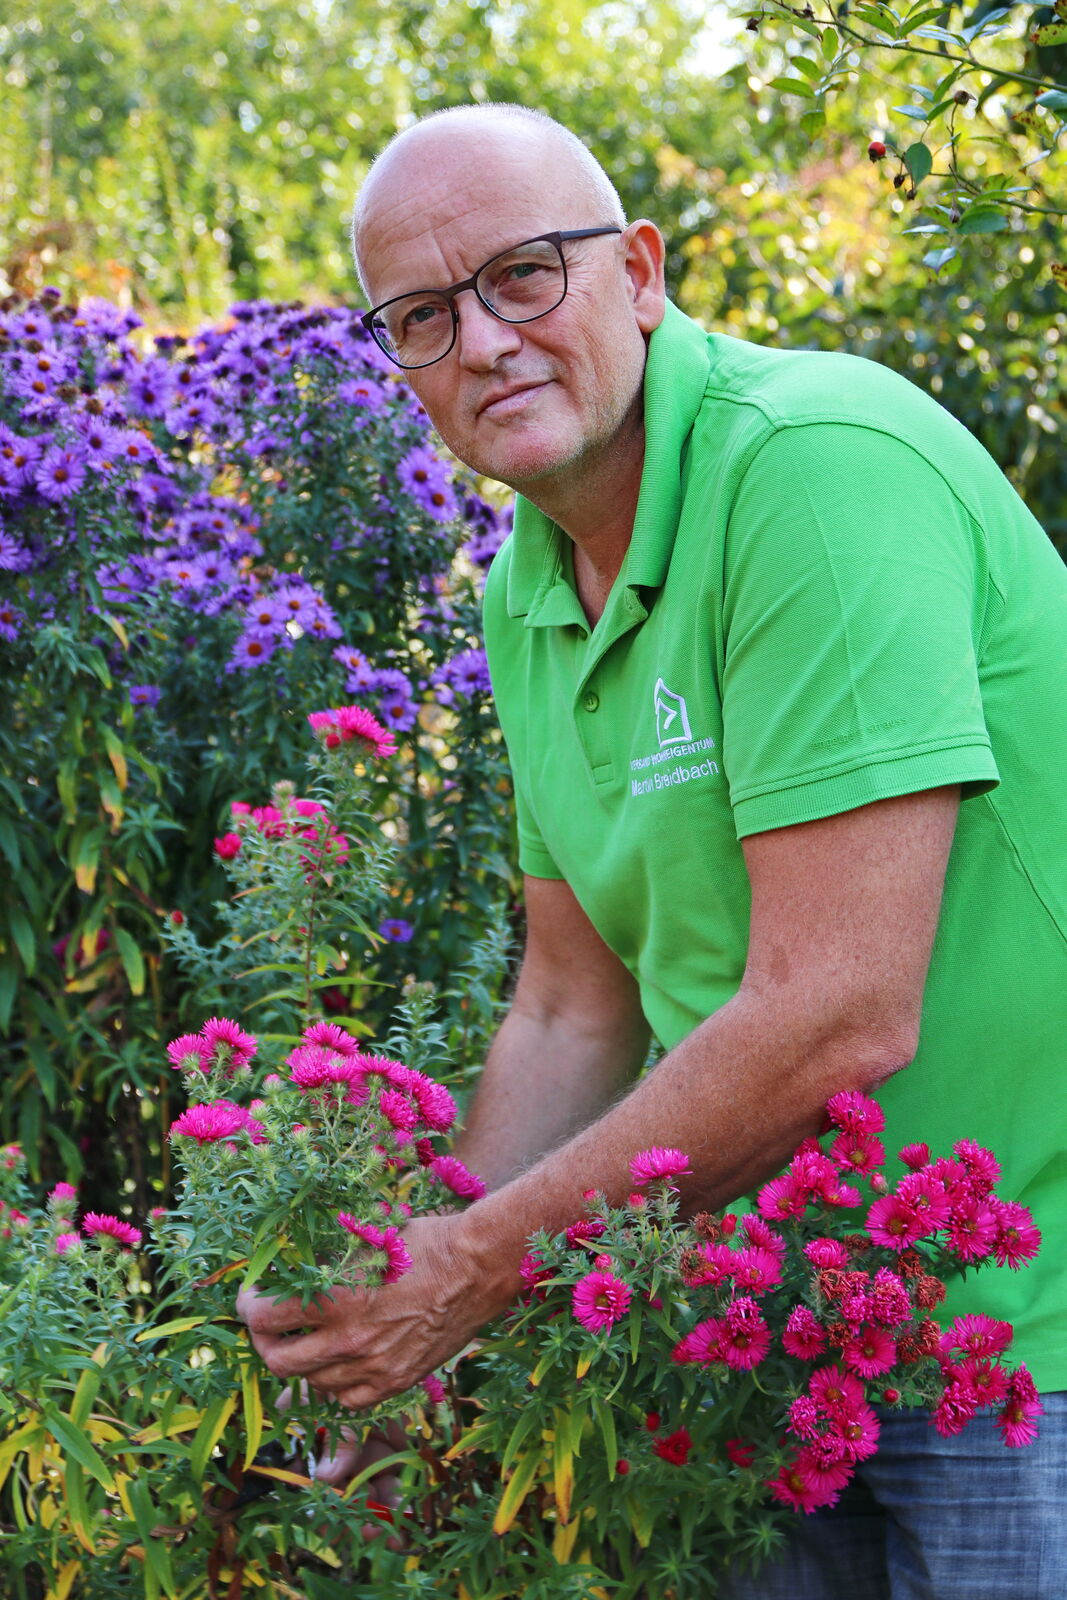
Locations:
210 1430
261 1258
9 844
1053 100
810 69
917 113
132 960
9 982
605 1419
22 933
78 1447
936 259
529 1420
829 44
164 1330
156 1555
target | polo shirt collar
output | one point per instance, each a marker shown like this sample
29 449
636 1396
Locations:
675 381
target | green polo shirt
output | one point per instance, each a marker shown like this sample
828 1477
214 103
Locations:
831 596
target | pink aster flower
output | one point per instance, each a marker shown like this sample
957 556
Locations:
955 1409
433 1389
331 1036
890 1302
893 1224
803 1334
857 1152
870 1351
781 1198
855 1113
450 1171
215 1122
103 1226
437 1109
988 1381
757 1232
658 1162
700 1345
227 846
803 1486
228 1043
926 1197
398 1110
188 1053
1017 1238
533 1272
391 1072
836 1391
62 1196
599 1300
983 1168
858 1432
1018 1422
756 1270
972 1229
707 1263
746 1338
915 1156
345 723
582 1232
388 1240
805 1418
827 1253
975 1334
67 1241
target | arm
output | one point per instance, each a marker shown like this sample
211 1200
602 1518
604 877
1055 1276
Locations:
572 1040
844 912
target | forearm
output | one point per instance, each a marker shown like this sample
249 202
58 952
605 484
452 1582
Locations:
546 1077
737 1096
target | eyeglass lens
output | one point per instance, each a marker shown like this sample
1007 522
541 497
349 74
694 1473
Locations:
518 285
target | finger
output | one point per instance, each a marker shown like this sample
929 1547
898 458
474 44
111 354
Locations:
302 1356
264 1315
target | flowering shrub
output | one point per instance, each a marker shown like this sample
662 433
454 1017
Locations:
666 1396
197 538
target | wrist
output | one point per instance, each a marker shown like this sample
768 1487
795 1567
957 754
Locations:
490 1248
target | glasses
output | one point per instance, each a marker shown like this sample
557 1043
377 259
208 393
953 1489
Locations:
518 285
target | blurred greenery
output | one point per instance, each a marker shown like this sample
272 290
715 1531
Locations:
176 157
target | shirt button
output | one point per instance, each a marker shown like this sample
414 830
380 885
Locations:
591 700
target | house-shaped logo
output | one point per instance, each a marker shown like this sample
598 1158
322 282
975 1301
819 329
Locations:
672 719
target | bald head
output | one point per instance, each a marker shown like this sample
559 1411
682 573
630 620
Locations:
485 138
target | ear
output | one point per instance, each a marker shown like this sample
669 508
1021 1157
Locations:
643 264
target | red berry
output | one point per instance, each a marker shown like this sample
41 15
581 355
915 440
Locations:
652 1421
876 149
891 1396
622 1467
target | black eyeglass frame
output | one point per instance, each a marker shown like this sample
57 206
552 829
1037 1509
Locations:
558 238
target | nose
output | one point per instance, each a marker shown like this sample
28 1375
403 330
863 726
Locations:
482 338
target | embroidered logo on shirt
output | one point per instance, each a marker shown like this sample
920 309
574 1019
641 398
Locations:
672 718
676 743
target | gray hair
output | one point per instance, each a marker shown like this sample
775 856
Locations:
602 194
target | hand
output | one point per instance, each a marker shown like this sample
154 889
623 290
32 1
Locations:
365 1345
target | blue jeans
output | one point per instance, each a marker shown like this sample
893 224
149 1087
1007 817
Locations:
928 1518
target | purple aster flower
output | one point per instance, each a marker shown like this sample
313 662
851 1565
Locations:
396 930
144 694
266 615
14 557
11 619
324 624
364 393
350 658
299 600
100 442
396 711
467 673
251 650
60 474
428 481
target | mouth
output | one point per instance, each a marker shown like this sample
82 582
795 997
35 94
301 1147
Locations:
509 402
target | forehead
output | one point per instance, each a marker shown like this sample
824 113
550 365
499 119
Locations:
440 206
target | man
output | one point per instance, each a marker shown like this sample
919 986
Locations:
778 655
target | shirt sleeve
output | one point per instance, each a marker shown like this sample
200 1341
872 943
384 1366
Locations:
854 595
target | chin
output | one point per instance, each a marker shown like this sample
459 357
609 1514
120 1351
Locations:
523 461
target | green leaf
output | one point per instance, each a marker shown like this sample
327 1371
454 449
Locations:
164 1330
156 1555
209 1432
9 844
919 162
917 113
799 86
829 44
22 933
132 960
1050 33
983 219
9 983
810 69
261 1258
1053 100
529 1420
515 1493
78 1447
936 259
812 122
605 1419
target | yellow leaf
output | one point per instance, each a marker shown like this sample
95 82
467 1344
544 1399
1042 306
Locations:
469 1441
295 1478
564 1540
118 630
253 1412
562 1473
64 1578
185 1420
162 1329
518 1488
15 1443
116 755
121 1482
584 1363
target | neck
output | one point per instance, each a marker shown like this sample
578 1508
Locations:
594 501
